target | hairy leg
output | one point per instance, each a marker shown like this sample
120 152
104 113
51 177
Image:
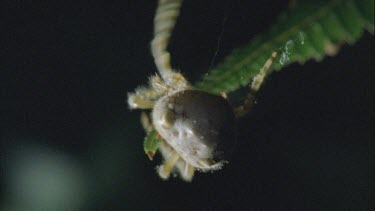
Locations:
142 98
255 86
146 123
170 157
185 170
164 22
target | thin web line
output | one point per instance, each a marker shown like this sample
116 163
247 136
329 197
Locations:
218 43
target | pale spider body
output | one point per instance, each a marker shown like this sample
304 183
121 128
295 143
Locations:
198 125
197 128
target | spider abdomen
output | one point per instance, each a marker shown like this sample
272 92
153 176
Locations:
196 124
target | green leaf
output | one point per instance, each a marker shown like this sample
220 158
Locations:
151 143
312 30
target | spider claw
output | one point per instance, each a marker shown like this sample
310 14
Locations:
138 102
150 155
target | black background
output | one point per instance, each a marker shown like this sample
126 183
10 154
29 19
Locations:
66 68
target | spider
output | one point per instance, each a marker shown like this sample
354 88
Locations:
197 128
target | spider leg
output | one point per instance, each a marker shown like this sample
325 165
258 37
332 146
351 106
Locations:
146 123
158 85
164 22
185 170
258 79
140 101
208 165
143 98
224 95
171 157
255 86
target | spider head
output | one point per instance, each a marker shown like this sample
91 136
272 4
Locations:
198 125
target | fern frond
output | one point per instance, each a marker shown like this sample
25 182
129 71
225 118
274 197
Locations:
310 31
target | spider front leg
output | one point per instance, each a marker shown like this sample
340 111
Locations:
166 168
255 86
186 170
145 97
164 22
142 98
172 161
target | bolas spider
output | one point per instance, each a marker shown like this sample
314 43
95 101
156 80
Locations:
197 128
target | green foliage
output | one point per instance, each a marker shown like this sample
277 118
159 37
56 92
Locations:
310 31
313 29
151 144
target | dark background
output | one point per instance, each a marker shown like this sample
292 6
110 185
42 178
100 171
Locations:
69 142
